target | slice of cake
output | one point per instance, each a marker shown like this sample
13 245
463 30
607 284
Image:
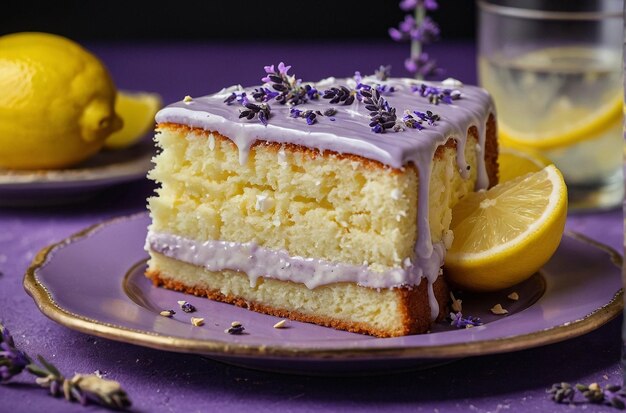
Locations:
328 203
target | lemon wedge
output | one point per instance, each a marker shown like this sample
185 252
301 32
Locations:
517 162
504 235
137 110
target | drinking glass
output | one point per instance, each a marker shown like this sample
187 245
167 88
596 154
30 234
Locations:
554 68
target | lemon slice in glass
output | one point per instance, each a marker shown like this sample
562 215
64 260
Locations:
504 235
566 127
518 162
137 110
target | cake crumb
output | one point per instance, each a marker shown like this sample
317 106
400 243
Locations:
167 313
188 99
457 305
197 321
499 310
396 194
452 82
263 203
280 324
513 296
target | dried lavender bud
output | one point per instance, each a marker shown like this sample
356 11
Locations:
186 307
330 112
235 328
427 116
436 95
339 95
308 115
457 320
382 116
561 392
260 111
263 94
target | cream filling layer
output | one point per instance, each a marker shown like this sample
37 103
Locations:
257 261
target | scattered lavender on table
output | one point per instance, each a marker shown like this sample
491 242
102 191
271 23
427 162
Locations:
611 395
382 116
436 95
419 29
457 320
82 388
12 360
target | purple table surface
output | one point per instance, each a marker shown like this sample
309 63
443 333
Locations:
160 381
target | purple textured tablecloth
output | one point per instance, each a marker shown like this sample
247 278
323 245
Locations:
159 381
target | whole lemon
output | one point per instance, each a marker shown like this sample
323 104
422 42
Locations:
56 102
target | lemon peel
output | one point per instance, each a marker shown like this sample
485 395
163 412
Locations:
137 110
58 109
504 235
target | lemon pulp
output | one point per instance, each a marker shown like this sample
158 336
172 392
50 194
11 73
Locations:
504 235
517 162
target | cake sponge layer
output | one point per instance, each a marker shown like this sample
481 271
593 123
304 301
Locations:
339 208
346 306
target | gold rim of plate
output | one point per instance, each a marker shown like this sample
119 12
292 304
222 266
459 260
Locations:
90 326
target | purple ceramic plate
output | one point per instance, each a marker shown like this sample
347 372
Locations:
93 282
80 182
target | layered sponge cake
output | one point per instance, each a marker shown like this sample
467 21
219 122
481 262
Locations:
327 203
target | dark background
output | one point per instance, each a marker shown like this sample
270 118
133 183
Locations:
194 20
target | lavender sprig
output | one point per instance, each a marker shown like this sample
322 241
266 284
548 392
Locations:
12 360
611 395
81 388
290 90
457 320
382 116
419 29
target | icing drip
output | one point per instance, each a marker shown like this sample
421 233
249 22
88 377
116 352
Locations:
349 133
257 261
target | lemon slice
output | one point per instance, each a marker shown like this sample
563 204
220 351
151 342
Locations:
137 110
517 162
563 131
504 235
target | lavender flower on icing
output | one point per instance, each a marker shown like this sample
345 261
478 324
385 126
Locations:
436 95
289 89
382 116
341 95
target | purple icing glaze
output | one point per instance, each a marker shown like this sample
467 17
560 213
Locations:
350 133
